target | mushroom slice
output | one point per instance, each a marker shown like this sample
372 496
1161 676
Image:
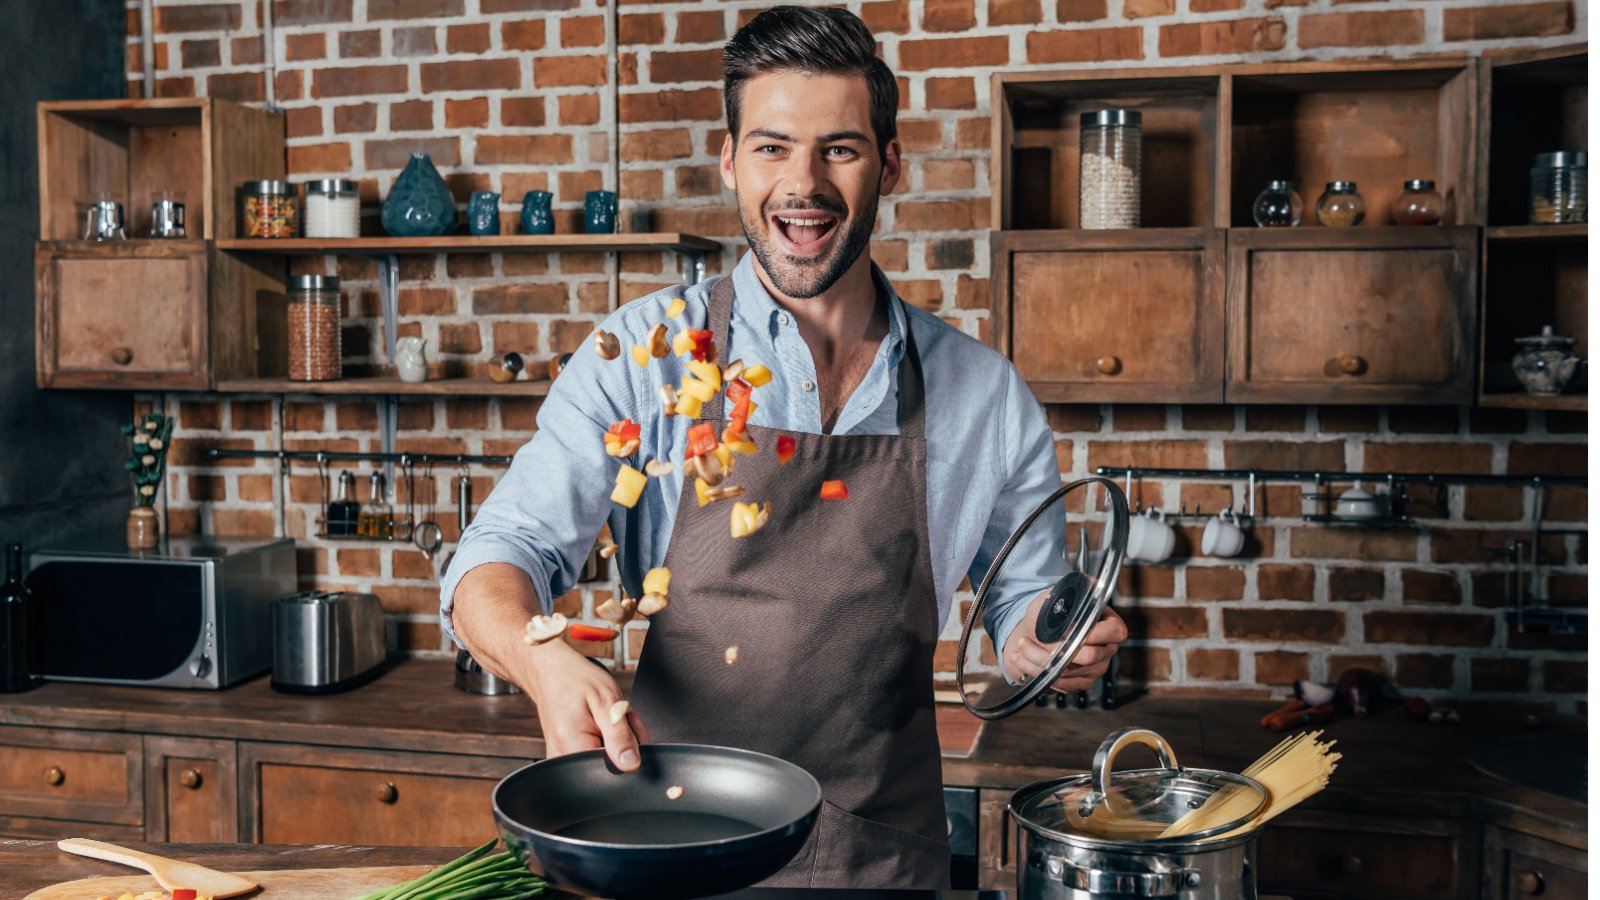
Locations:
651 604
669 400
732 371
731 655
608 550
725 492
659 345
675 792
658 468
709 469
544 628
607 345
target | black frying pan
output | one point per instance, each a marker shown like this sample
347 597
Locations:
590 829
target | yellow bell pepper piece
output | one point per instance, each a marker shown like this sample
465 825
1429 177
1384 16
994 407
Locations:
700 488
675 308
699 390
745 446
640 355
707 372
756 375
689 406
630 484
747 518
682 343
657 579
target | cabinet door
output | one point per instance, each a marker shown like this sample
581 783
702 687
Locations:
1315 854
1125 316
56 773
997 842
1517 866
321 795
125 314
191 790
1359 315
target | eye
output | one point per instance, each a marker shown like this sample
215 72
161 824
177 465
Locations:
769 149
840 152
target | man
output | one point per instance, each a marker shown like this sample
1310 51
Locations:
835 606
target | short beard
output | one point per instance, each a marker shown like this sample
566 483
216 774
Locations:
832 267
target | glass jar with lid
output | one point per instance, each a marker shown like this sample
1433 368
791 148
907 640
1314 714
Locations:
315 350
1418 204
1277 206
1109 169
269 209
1341 206
1560 188
333 209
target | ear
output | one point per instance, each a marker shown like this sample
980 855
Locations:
891 168
726 166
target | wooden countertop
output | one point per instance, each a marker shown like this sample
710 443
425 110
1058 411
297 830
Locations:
1391 766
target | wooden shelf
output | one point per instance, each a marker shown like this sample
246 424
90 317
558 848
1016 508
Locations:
1563 402
387 385
1576 234
462 243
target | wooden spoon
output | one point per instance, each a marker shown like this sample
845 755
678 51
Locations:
169 873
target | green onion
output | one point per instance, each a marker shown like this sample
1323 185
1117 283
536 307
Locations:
477 875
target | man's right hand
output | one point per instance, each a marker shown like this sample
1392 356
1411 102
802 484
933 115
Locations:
574 699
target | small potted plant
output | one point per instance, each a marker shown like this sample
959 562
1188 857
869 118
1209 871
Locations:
149 436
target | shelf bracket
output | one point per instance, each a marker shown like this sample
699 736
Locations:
388 424
692 263
388 295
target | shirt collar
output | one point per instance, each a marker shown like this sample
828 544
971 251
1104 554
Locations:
755 308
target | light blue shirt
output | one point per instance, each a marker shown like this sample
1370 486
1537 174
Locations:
991 456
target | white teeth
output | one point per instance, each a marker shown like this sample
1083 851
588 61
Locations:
810 223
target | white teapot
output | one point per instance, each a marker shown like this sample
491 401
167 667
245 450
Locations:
408 360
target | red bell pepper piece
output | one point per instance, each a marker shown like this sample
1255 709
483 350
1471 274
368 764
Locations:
581 632
184 894
702 440
739 393
703 349
627 430
785 448
835 490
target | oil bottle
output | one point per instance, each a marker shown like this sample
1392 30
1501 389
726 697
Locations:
344 512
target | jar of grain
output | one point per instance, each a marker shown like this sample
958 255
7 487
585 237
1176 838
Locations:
268 209
1341 206
1108 169
1560 194
333 210
1418 204
314 344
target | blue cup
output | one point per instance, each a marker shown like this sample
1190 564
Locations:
536 217
483 213
600 212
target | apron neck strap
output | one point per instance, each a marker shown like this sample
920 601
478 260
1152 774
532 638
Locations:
719 311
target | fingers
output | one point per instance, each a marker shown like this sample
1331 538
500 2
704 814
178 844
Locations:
1109 630
620 743
637 724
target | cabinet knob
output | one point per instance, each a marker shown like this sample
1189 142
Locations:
1530 882
54 775
1108 365
1351 864
386 793
190 778
1351 364
122 356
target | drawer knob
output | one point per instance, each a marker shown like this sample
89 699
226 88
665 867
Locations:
1351 364
1530 882
1108 365
386 793
122 356
1351 864
190 778
54 775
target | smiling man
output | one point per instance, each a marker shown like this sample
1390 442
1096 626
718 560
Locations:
835 606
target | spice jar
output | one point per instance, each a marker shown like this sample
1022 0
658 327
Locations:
1277 206
1108 169
270 209
1340 206
333 210
314 344
1418 204
1560 188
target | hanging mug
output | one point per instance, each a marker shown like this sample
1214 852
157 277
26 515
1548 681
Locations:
1223 537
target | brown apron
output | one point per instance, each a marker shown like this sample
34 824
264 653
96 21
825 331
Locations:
832 607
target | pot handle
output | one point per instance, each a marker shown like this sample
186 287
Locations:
1114 744
1122 884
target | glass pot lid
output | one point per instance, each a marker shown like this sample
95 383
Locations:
1060 530
1142 804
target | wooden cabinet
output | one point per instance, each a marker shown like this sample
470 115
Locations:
1517 866
91 776
1316 854
306 795
1352 316
1076 331
191 790
998 840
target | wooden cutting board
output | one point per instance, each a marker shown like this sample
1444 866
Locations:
301 884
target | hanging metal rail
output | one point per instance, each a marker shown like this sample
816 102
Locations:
286 456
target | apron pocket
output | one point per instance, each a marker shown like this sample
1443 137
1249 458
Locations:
853 852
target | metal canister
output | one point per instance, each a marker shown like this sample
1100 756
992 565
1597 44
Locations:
1109 169
268 209
315 348
1099 835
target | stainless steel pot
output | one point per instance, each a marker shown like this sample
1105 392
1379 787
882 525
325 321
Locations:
1087 837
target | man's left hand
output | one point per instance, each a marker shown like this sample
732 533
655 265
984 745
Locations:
1025 657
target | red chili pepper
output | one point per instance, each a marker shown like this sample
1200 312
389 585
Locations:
785 448
702 350
702 440
184 894
739 393
580 632
627 429
835 490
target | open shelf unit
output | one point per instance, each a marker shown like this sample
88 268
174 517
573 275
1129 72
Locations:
382 385
461 243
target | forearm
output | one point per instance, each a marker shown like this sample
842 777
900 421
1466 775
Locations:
493 603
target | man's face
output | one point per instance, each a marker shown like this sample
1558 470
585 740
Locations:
807 176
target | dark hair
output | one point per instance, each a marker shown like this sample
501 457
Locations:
819 41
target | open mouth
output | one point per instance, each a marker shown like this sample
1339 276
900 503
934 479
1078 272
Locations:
805 232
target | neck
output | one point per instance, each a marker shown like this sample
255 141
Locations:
838 322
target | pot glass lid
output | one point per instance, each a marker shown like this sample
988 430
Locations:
1080 532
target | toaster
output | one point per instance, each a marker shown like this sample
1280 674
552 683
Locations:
324 642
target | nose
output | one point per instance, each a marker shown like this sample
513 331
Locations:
803 176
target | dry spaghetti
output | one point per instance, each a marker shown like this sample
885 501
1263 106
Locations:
1292 771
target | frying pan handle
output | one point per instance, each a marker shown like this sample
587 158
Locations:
1114 743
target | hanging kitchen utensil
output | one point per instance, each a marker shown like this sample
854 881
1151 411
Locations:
464 500
428 536
1075 603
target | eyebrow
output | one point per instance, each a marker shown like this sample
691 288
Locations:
771 135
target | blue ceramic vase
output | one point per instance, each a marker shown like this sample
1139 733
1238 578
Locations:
600 212
536 217
419 204
483 213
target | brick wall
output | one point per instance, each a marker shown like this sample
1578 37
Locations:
513 95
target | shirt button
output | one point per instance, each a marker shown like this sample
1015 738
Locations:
807 386
783 319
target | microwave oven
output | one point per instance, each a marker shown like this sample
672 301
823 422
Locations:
192 613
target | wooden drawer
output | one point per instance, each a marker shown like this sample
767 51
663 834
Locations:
191 790
59 774
1312 854
56 829
1519 866
318 795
